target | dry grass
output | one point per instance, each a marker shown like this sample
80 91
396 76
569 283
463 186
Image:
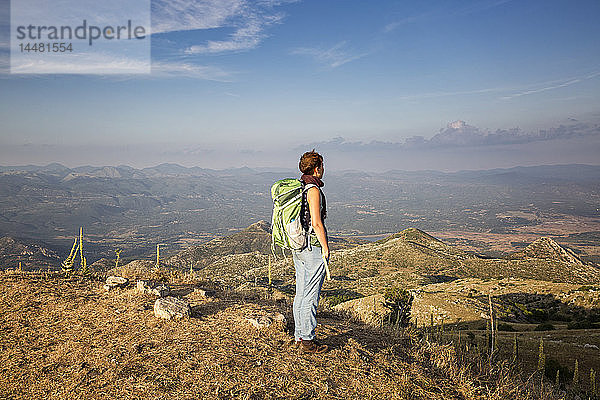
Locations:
66 338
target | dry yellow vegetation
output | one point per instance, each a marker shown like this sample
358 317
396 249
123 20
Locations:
66 338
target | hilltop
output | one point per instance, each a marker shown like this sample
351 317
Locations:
94 343
111 343
546 248
255 238
71 339
410 259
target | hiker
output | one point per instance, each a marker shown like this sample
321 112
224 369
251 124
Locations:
310 261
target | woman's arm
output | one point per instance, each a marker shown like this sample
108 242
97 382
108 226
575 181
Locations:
313 196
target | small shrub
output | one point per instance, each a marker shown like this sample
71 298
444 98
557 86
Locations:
506 327
553 365
562 317
594 316
399 302
585 324
545 326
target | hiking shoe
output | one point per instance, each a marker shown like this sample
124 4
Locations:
312 346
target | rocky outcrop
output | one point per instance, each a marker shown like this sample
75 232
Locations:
13 251
172 308
255 238
113 282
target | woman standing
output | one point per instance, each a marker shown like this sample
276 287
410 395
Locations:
310 262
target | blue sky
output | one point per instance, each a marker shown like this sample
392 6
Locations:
254 76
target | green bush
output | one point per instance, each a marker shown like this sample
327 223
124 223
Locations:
553 365
399 302
545 326
562 317
506 327
594 316
584 324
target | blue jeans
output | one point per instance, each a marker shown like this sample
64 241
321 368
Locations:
310 274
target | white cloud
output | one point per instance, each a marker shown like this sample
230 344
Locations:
183 15
404 21
87 64
247 19
332 57
511 92
551 85
183 69
102 64
444 12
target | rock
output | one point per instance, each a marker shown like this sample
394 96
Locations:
113 282
171 308
160 290
117 281
265 320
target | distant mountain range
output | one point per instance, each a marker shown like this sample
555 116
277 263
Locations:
570 172
134 209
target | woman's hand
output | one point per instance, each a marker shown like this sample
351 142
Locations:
326 255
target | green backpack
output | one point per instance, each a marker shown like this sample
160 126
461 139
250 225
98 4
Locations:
287 230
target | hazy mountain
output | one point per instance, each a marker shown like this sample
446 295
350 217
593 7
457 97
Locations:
132 209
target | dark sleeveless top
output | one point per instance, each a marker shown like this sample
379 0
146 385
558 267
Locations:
304 209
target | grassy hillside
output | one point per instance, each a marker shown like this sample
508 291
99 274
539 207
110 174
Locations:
66 338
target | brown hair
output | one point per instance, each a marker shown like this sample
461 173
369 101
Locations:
309 161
